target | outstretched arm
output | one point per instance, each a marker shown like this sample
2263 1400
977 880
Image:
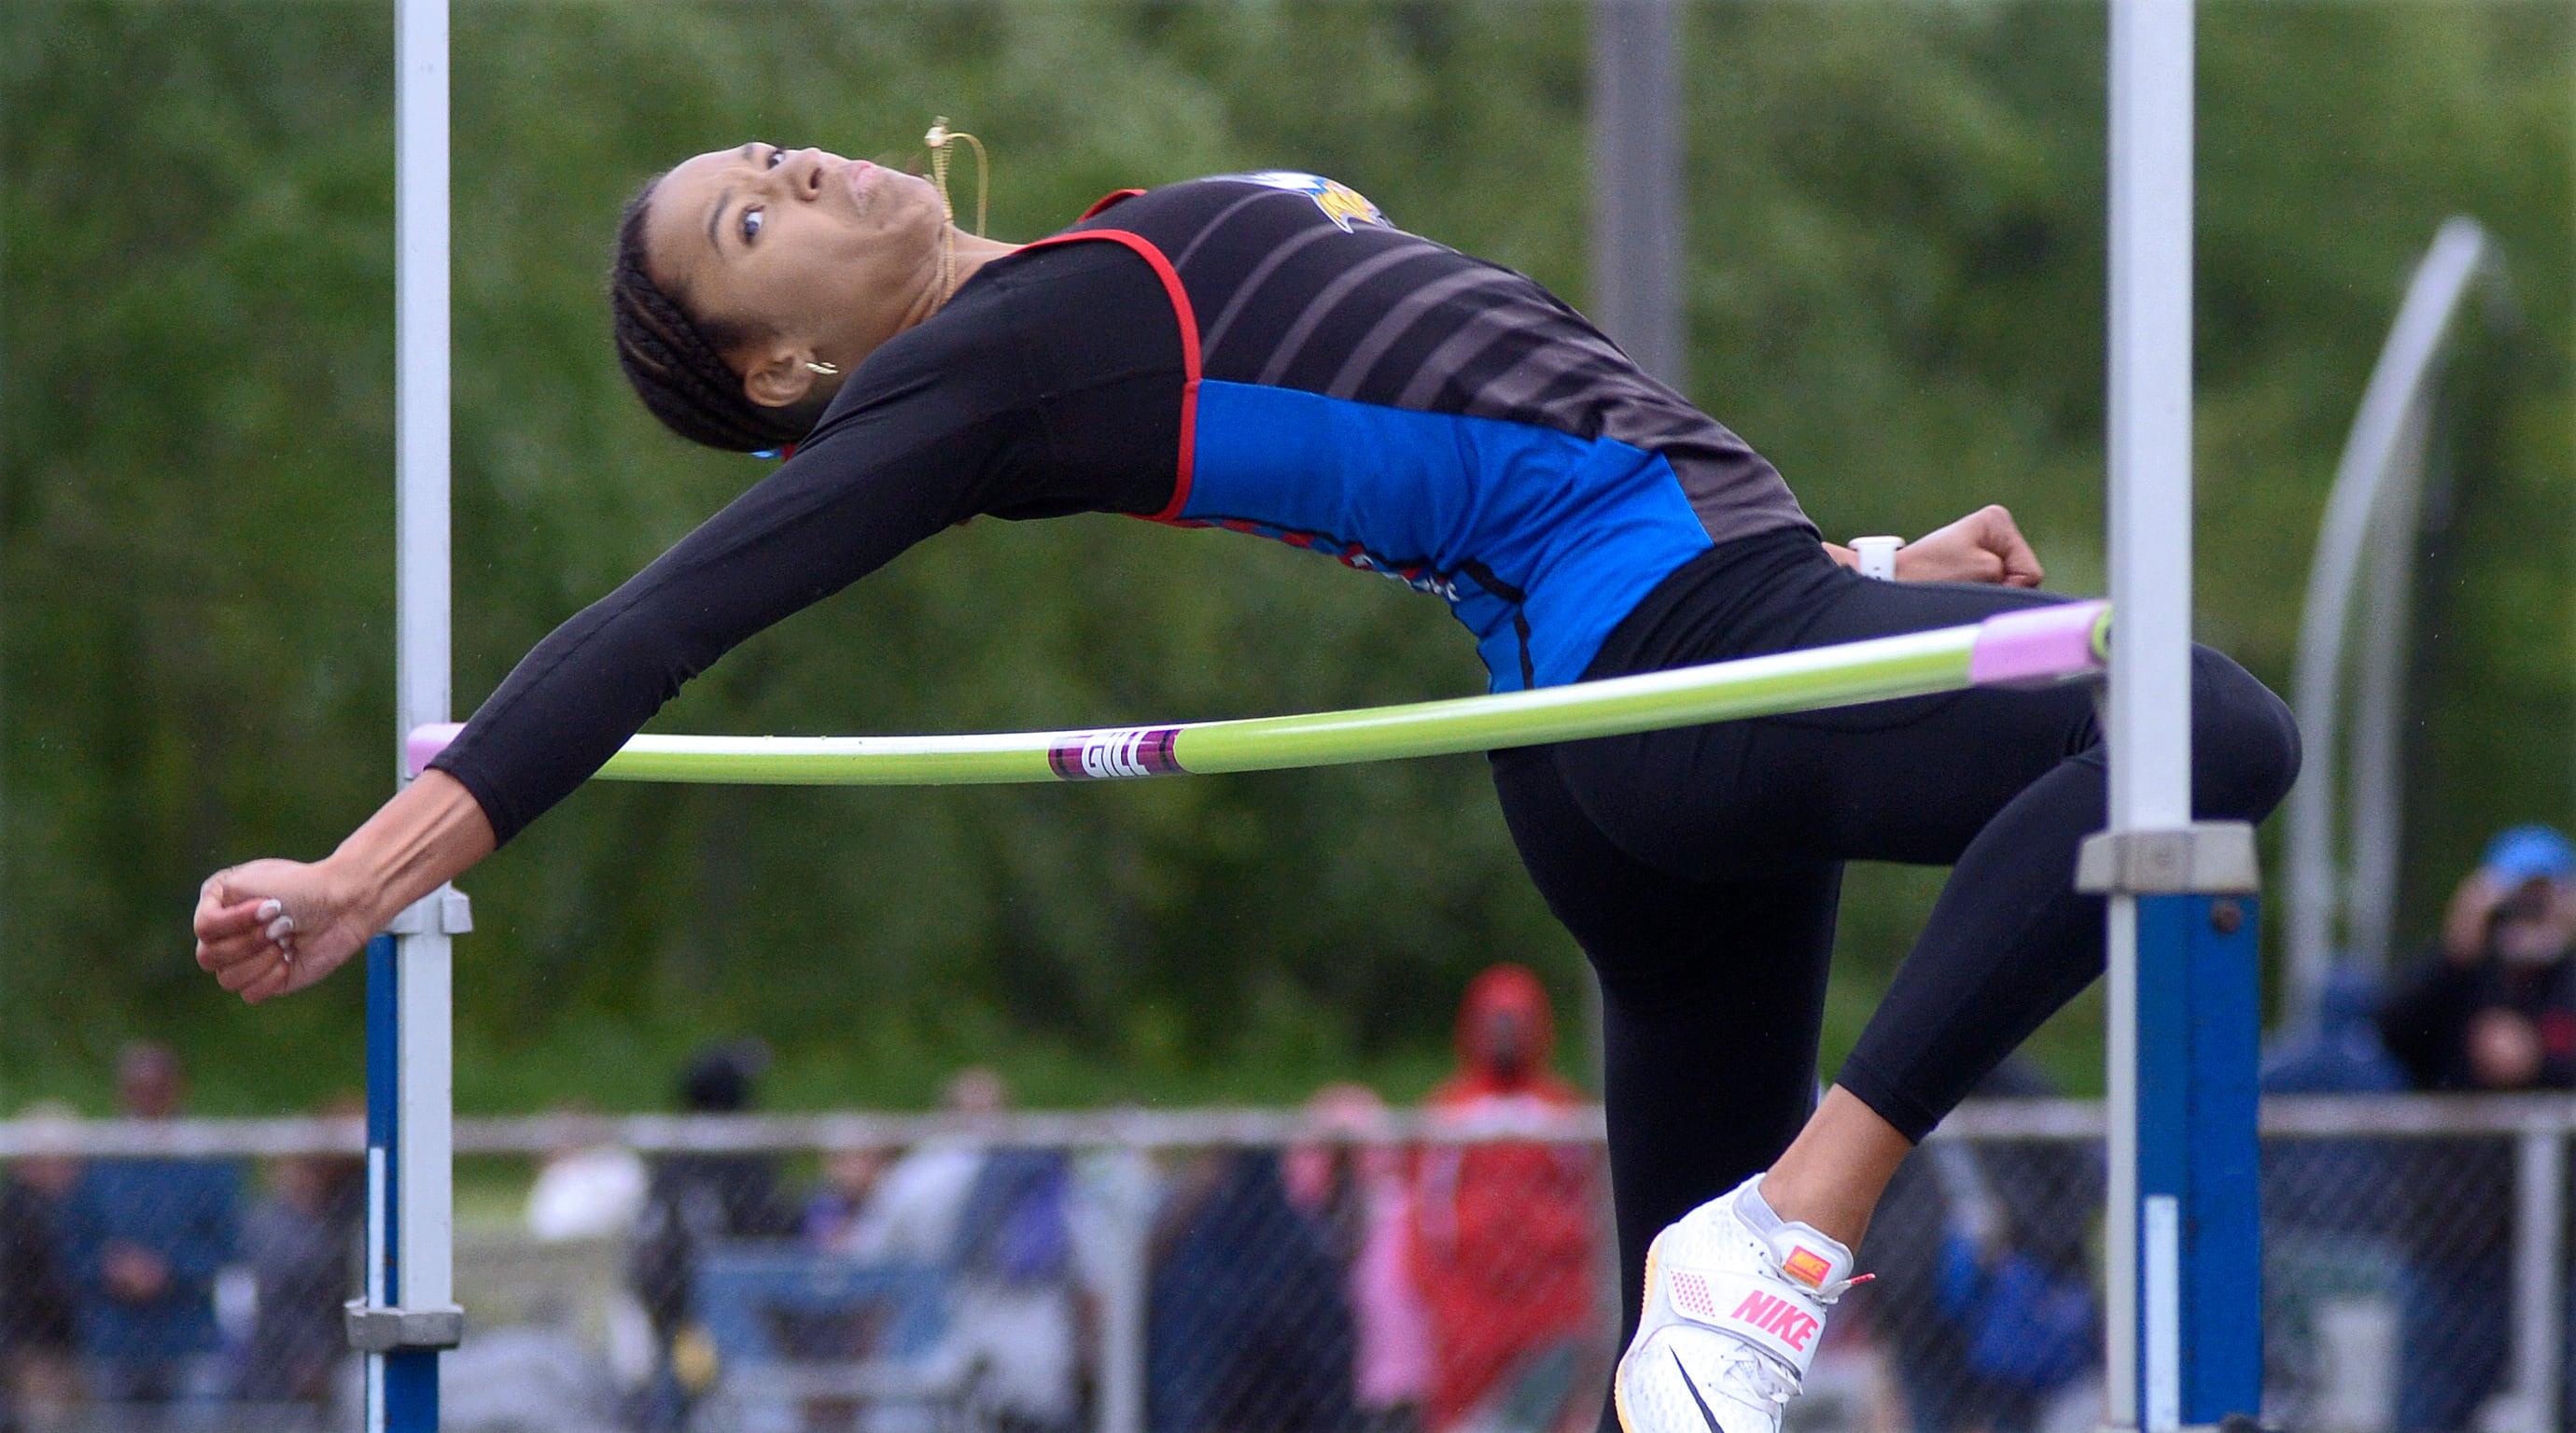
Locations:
941 423
1984 546
270 927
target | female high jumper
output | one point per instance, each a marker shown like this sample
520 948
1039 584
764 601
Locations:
1264 352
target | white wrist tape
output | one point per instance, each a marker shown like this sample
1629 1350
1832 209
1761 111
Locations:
1877 556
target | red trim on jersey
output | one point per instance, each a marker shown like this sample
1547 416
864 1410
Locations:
1112 197
1189 320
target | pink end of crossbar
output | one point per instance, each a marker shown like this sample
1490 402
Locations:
429 741
2037 644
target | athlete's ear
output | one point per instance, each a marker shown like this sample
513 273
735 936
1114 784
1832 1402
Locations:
779 375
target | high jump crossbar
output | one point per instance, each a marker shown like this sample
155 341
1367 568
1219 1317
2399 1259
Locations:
2035 645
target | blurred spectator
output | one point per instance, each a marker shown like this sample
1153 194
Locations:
691 1201
913 1216
1505 1233
1247 1327
836 1214
1357 1188
142 1239
1987 1304
997 1220
2493 1009
38 1381
302 1244
2342 1053
591 1188
2329 1264
1014 1302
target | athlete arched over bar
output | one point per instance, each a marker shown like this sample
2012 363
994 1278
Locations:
1267 353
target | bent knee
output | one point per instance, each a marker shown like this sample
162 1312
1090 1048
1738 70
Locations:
2244 742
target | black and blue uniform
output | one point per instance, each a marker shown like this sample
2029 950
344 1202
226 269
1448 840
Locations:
1412 411
1265 353
1262 353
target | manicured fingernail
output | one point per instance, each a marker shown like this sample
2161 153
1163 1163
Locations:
270 910
281 928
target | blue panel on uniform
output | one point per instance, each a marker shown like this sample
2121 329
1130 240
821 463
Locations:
1514 524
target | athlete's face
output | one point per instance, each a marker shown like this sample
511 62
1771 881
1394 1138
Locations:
814 258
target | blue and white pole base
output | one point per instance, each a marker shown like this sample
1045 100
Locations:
2185 1201
401 1345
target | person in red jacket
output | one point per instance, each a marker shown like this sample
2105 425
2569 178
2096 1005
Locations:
1506 1240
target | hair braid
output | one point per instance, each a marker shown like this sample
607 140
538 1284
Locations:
675 362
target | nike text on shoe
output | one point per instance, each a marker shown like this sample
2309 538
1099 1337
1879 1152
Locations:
1735 1304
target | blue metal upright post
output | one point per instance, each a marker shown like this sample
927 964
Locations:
384 1272
402 1383
2200 1257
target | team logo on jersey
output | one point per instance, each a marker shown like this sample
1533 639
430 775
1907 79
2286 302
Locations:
1110 755
1341 203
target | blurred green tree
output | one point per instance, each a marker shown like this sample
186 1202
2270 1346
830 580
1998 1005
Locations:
1894 289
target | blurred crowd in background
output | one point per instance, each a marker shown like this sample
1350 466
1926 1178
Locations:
1345 1285
1336 1286
153 1282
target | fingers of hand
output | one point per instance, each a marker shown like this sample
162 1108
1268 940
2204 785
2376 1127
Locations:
230 938
2000 535
242 975
273 974
217 919
232 950
262 979
276 982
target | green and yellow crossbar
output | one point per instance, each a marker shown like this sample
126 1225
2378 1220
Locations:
2035 645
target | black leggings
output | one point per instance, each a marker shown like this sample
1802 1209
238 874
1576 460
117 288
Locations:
1699 868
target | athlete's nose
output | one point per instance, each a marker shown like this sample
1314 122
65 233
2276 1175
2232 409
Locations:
804 172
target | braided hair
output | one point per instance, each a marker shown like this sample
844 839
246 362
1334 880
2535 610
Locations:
675 361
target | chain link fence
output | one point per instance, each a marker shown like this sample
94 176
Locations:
1214 1272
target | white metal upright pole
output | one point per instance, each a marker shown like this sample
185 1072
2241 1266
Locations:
2150 425
421 542
416 1283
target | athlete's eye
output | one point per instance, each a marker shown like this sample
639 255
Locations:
777 156
752 219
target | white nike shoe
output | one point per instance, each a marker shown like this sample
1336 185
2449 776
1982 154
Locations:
1731 1320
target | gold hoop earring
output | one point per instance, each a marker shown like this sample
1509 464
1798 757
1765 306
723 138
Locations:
939 137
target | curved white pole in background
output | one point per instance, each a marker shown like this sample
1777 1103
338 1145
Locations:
2369 530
